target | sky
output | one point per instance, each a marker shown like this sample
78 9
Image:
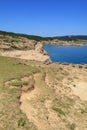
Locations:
44 17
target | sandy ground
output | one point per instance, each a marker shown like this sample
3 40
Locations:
31 112
26 54
80 89
38 115
60 80
38 103
78 85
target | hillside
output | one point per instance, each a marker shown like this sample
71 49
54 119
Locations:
39 38
16 35
36 94
72 37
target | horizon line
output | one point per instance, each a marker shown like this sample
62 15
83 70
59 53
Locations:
69 35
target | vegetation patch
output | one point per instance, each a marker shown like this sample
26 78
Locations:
59 110
19 83
10 112
83 110
72 126
21 122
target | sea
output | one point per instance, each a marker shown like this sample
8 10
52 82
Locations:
69 54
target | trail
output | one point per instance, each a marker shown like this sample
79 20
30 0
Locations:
32 107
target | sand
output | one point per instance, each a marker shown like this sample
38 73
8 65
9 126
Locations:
80 89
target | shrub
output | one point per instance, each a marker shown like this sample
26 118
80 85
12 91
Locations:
72 126
21 122
83 111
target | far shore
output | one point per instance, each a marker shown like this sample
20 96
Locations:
65 43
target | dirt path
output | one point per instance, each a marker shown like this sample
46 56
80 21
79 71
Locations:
35 113
26 107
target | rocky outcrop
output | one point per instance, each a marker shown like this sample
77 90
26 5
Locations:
20 43
39 48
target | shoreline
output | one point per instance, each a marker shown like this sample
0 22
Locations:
65 43
37 52
82 44
40 55
42 94
54 86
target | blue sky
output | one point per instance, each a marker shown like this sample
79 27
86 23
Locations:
44 17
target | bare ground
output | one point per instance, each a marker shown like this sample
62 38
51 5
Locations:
55 98
27 54
47 106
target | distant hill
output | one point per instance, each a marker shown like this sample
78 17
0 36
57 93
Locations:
69 38
15 35
39 38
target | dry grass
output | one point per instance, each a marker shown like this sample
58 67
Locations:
50 105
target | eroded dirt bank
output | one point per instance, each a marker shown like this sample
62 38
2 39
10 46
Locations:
58 100
28 55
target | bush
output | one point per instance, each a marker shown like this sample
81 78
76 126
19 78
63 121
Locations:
72 126
21 122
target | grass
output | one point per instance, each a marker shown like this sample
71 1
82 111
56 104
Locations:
21 122
9 69
19 83
64 104
11 116
59 110
83 110
72 126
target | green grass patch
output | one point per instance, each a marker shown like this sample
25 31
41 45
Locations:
19 83
59 110
10 70
21 122
72 126
64 104
83 110
10 112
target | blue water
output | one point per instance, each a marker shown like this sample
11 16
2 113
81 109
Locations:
70 54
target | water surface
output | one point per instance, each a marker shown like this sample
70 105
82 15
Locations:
70 54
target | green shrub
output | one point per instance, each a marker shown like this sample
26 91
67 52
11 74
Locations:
83 111
72 126
21 122
19 83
